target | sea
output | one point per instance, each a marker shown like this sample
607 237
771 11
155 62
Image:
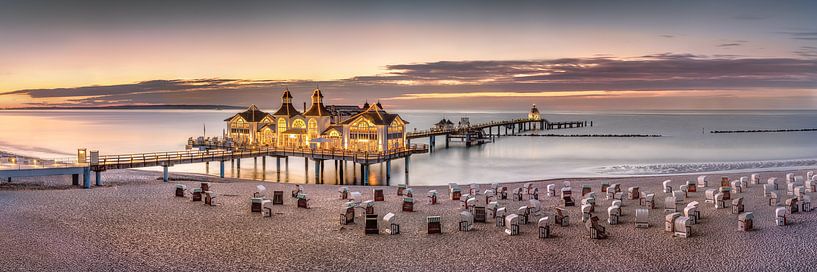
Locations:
685 146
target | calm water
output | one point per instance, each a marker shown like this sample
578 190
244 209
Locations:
684 148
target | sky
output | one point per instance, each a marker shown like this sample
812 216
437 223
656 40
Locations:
468 55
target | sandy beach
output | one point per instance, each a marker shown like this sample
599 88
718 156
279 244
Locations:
134 222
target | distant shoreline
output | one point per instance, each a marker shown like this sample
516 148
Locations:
137 107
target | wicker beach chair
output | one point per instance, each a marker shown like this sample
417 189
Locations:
357 198
745 221
773 182
789 177
347 213
586 189
767 190
491 209
257 204
410 192
561 218
551 190
378 195
720 202
534 207
298 189
792 205
669 221
632 193
523 214
500 216
726 191
596 230
371 226
695 214
755 178
210 198
780 216
773 199
180 189
737 205
303 201
682 227
432 197
512 225
408 204
805 202
679 196
434 225
490 195
591 202
401 188
710 195
454 191
567 197
691 187
667 186
261 191
702 182
466 221
518 194
392 226
691 212
196 194
473 189
642 217
669 204
736 187
343 192
586 214
544 227
604 186
612 215
685 189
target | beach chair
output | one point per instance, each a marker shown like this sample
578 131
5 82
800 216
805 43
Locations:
261 192
618 203
612 215
696 213
596 230
619 196
685 189
390 221
298 189
205 186
522 212
811 185
586 214
792 205
773 199
767 189
491 208
495 186
589 201
669 204
378 195
720 202
368 207
303 201
567 199
503 193
724 181
210 198
500 216
490 196
737 205
410 192
691 212
196 193
710 195
347 213
810 175
467 201
604 186
343 192
632 193
780 216
755 178
679 196
610 194
400 189
799 191
180 188
466 221
544 227
561 218
518 194
479 214
357 198
534 194
805 203
683 227
669 221
586 189
773 182
434 225
726 191
408 204
642 217
455 193
277 197
789 177
702 182
667 186
473 189
512 225
736 187
649 201
616 187
432 197
534 207
691 187
528 188
566 183
745 221
371 224
255 204
551 190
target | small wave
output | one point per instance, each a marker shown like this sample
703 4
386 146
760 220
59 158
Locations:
685 168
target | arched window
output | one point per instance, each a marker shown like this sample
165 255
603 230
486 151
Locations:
334 133
313 128
282 125
298 123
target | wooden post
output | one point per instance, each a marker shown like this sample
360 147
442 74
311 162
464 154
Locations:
408 159
98 178
342 169
278 168
221 169
86 177
446 140
165 174
317 171
365 175
388 172
306 170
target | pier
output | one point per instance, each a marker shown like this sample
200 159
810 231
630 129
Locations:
486 132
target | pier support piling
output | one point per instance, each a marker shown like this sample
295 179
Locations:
221 169
408 159
341 170
317 171
98 178
74 179
278 168
306 170
388 172
364 177
164 173
86 178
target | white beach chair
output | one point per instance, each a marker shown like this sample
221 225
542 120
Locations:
642 217
737 205
667 186
551 190
616 187
357 198
390 221
810 175
805 203
789 177
409 192
780 216
586 214
591 202
617 203
632 193
745 221
650 201
523 214
619 196
347 213
767 189
596 231
773 199
512 225
773 182
501 214
811 185
685 189
669 204
669 221
561 218
720 203
534 207
612 215
518 194
736 186
690 211
466 221
566 183
180 189
792 205
680 196
702 182
343 192
799 191
490 195
544 227
567 197
491 208
683 227
744 182
261 191
697 212
710 195
473 189
368 207
755 178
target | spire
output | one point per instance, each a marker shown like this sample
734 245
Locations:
366 105
286 98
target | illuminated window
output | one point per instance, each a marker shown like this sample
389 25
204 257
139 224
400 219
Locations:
313 128
298 123
282 124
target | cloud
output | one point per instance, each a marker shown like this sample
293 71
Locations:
447 80
667 36
802 35
806 52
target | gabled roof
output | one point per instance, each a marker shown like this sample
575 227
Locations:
317 108
332 127
444 122
252 114
376 115
270 126
287 110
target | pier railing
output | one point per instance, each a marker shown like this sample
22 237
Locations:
462 129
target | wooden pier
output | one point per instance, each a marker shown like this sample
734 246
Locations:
486 132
